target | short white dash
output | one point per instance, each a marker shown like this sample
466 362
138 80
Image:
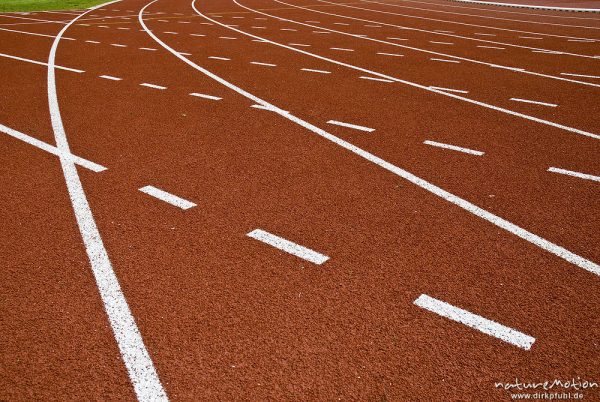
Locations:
171 33
581 75
227 37
343 49
206 23
484 34
453 147
118 45
163 20
507 67
460 91
195 34
443 31
110 77
321 32
533 102
199 95
102 26
475 321
353 126
441 43
574 174
261 18
167 197
375 79
258 63
581 40
298 44
218 58
237 18
315 71
491 47
445 60
289 29
184 22
373 26
148 48
396 38
391 54
288 246
92 41
340 23
124 29
145 84
529 37
259 27
184 53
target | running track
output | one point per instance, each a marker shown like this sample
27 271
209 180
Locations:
376 200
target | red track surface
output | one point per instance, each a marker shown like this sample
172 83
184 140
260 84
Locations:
226 317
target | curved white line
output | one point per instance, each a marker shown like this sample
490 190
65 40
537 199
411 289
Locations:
139 365
461 203
491 3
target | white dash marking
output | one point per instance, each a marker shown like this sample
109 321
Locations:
444 60
341 23
289 29
475 321
391 54
167 197
259 27
574 174
533 102
343 49
145 84
491 47
353 126
298 44
148 48
92 41
110 77
364 77
171 33
118 45
441 43
199 95
396 38
218 58
460 91
484 34
581 40
258 63
288 246
184 53
315 71
453 147
195 34
529 37
227 37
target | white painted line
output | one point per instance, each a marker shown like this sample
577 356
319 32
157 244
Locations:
530 37
475 321
373 26
581 40
289 29
460 91
313 22
491 47
258 63
581 75
533 102
239 18
507 67
341 23
147 48
40 63
536 7
184 22
546 51
227 37
94 167
218 58
353 126
163 20
391 54
396 38
259 27
167 197
92 41
298 44
443 31
270 108
453 147
453 199
196 34
288 246
110 77
259 40
171 33
320 32
315 71
145 84
441 43
32 33
124 29
574 174
137 360
199 95
118 45
185 54
484 34
343 49
375 79
444 60
260 18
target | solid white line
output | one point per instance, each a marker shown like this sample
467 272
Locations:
391 54
581 40
40 63
581 75
315 71
444 60
353 126
574 174
167 197
460 91
453 147
110 77
94 167
288 246
218 58
32 33
495 220
533 102
375 79
475 321
198 95
342 49
258 63
395 38
139 365
145 84
491 3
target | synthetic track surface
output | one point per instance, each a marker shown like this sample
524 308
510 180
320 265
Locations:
302 200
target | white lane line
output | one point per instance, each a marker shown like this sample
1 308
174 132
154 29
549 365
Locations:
491 47
574 174
364 77
460 91
396 38
218 58
118 45
312 70
258 63
289 29
238 18
353 126
137 360
461 203
259 27
41 63
185 53
371 26
227 37
196 34
391 54
199 95
124 29
313 22
148 48
546 51
167 197
453 147
530 37
32 33
441 43
288 246
171 33
475 321
533 102
484 34
110 77
269 108
444 60
94 167
341 23
92 41
507 67
145 84
298 44
581 75
581 40
343 49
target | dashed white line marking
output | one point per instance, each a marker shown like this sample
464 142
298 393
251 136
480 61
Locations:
341 23
445 60
314 22
118 45
349 125
124 29
227 37
92 41
441 43
396 38
483 34
259 27
581 75
475 321
261 18
391 54
443 31
574 174
110 77
507 67
148 48
163 20
529 37
218 58
167 197
491 47
258 63
171 33
184 22
197 34
289 29
320 32
375 79
581 40
185 54
145 84
288 246
298 44
460 91
315 71
199 95
373 26
237 18
533 102
453 147
343 49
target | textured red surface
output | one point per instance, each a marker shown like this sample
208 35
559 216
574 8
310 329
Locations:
225 317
